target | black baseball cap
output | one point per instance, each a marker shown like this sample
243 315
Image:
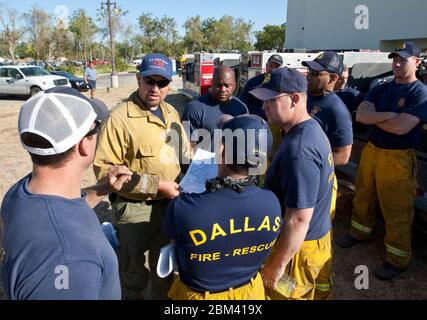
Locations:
328 61
281 80
407 50
276 58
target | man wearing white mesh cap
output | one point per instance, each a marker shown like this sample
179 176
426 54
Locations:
53 245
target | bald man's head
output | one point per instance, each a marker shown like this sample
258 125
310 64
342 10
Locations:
223 84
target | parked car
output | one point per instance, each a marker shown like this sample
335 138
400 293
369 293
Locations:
76 83
28 80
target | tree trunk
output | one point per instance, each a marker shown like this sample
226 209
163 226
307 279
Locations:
12 52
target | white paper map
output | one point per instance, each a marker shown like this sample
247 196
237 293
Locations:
201 169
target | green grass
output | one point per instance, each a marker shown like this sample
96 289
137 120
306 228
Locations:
105 69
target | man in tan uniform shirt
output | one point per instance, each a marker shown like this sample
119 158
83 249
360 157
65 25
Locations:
146 135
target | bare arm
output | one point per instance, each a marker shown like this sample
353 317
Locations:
341 155
117 176
366 114
294 231
400 125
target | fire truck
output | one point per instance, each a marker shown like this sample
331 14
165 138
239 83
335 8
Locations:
198 71
253 63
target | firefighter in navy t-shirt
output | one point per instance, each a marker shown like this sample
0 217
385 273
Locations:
223 235
387 169
301 175
255 105
329 110
205 112
351 97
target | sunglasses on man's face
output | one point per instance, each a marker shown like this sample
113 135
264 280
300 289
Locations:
152 82
315 73
276 98
94 130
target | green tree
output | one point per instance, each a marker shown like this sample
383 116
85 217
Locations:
10 30
38 25
194 38
227 33
159 34
242 35
84 29
272 37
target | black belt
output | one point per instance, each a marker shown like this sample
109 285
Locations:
114 196
231 288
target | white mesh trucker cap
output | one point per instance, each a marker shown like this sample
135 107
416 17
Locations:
62 116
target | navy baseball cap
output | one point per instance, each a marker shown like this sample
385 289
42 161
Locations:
281 80
156 64
408 49
276 58
258 140
328 61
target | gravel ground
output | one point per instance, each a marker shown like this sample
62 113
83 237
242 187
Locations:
412 285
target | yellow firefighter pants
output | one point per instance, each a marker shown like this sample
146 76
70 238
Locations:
254 290
311 269
387 178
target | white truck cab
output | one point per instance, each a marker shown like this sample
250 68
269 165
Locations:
28 80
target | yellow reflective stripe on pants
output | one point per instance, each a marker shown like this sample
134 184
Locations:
397 252
323 287
360 227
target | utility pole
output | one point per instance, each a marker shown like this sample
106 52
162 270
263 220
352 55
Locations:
114 76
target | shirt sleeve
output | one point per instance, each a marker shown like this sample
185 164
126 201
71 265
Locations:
372 95
418 103
301 179
419 111
342 134
71 281
193 116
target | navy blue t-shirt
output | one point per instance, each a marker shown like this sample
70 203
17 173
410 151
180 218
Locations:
158 113
409 98
205 112
333 116
302 174
222 237
254 105
352 98
55 249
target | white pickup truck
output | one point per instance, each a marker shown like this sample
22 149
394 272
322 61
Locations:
28 80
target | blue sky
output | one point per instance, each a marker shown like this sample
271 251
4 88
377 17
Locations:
260 12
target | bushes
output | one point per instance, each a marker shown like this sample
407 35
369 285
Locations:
121 65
